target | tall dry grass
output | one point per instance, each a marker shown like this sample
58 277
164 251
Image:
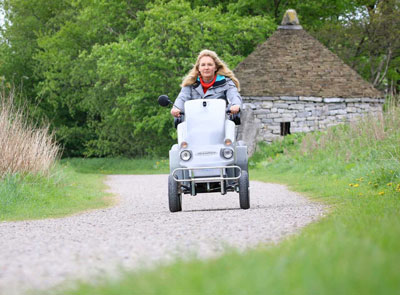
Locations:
24 147
366 132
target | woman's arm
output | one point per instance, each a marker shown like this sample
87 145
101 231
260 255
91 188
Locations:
179 103
233 97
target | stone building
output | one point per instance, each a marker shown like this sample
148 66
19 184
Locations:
292 83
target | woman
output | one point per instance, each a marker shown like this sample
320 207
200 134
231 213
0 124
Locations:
209 78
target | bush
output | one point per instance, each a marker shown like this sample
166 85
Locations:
25 148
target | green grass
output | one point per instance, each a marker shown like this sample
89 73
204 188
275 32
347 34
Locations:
75 185
353 250
62 193
118 165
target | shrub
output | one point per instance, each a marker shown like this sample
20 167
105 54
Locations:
25 148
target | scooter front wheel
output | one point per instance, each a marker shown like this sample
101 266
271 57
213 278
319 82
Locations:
244 194
174 196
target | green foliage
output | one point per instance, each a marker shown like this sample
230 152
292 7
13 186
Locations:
62 193
270 151
94 68
99 66
366 153
117 165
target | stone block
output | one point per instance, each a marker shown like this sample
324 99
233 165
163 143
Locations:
296 106
333 99
274 127
307 98
280 120
336 106
274 110
267 121
273 115
351 100
289 98
368 99
337 112
281 105
317 113
303 114
296 129
267 104
250 105
268 98
260 111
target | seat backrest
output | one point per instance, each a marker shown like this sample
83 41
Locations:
205 121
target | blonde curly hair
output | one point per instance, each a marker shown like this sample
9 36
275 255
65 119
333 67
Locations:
222 69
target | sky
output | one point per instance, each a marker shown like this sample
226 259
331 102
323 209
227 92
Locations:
1 18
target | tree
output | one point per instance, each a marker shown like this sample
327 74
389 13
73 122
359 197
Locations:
138 68
101 75
367 40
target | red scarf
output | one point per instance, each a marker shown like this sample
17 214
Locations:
207 85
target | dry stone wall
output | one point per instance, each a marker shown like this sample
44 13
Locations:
304 114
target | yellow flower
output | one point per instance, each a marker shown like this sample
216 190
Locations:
360 194
157 163
389 184
356 185
381 193
369 182
350 184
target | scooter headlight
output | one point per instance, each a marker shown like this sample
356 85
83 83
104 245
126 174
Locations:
227 153
186 155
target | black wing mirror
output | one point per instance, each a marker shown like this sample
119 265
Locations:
164 101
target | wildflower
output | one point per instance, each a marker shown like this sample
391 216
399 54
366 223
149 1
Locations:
381 193
360 194
389 184
360 179
356 185
350 184
369 182
157 163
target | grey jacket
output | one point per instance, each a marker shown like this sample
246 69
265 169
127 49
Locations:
223 88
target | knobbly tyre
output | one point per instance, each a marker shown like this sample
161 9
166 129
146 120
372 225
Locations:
207 157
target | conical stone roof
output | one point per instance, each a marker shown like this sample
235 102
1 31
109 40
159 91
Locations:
293 63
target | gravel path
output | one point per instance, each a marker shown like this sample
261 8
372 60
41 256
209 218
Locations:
140 231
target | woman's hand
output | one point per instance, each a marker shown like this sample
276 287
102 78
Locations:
234 109
175 112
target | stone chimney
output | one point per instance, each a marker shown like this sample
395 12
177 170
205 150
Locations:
290 21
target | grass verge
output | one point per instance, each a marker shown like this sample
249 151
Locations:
353 250
73 186
118 165
61 193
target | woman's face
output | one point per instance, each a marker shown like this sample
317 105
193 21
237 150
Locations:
207 68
